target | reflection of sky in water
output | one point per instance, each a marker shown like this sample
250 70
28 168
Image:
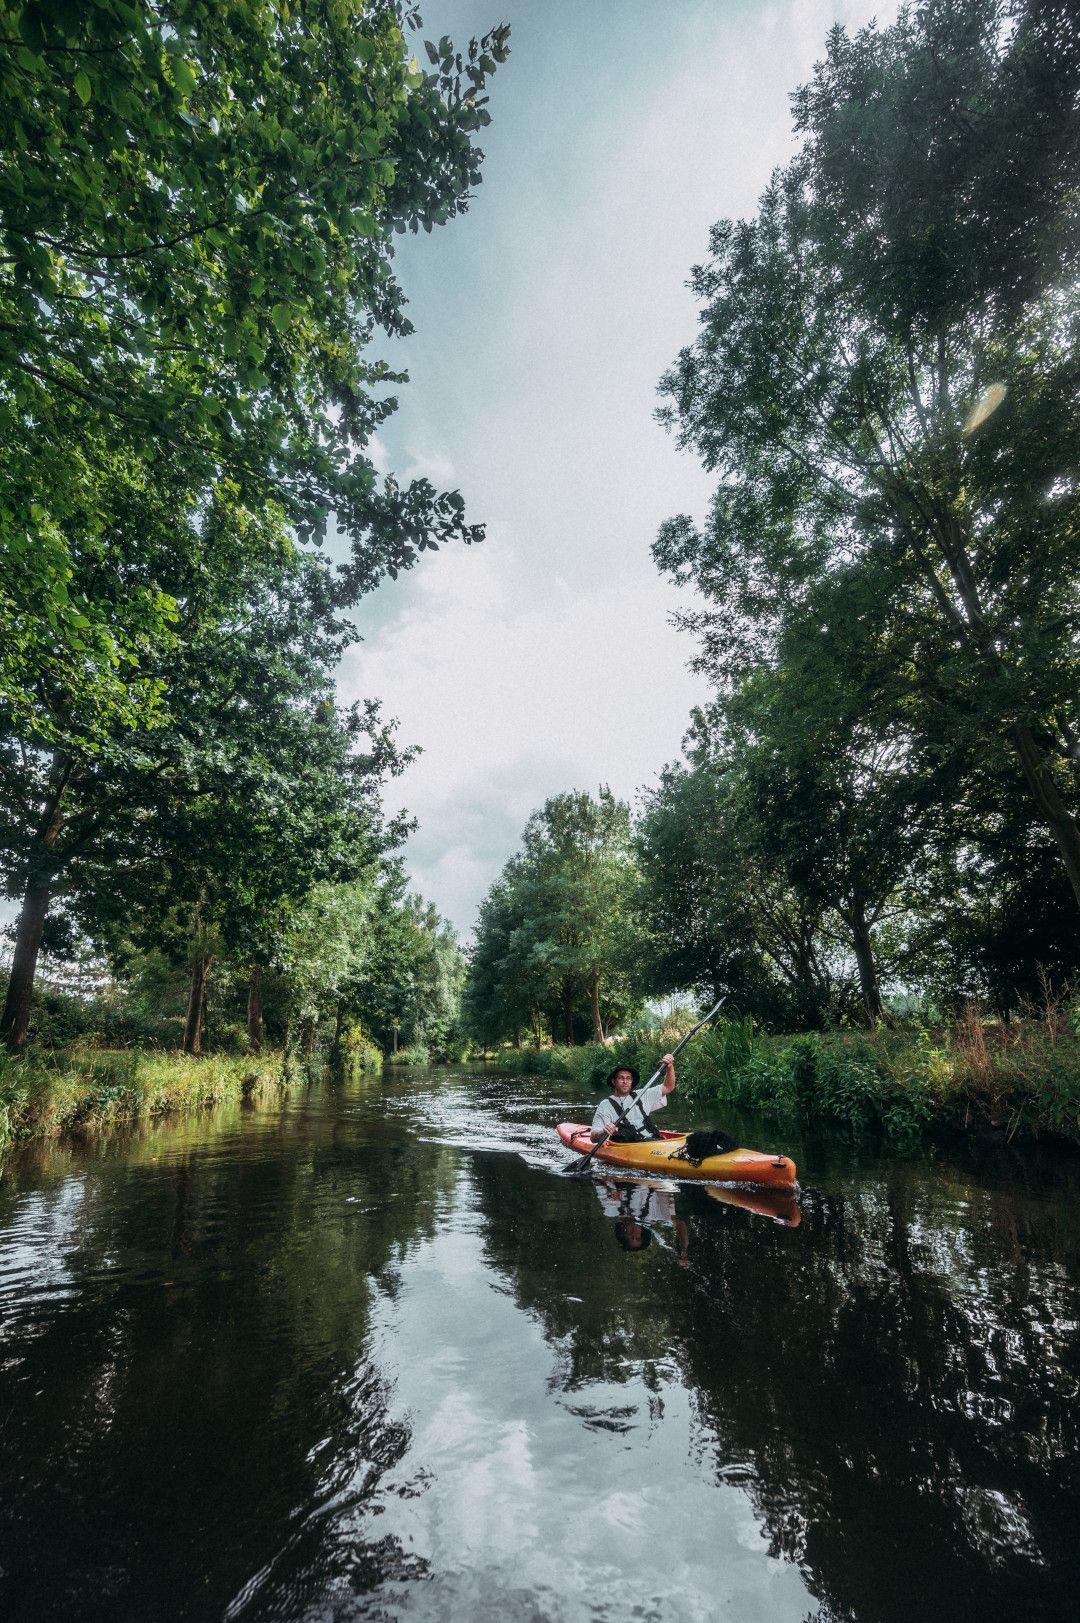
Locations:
436 1386
519 1483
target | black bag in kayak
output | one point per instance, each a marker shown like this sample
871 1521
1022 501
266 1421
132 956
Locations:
699 1146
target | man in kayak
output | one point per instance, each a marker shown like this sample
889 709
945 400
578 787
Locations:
633 1125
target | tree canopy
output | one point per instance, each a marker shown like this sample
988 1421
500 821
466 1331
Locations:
912 267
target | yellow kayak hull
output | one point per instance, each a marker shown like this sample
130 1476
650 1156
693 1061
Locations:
659 1158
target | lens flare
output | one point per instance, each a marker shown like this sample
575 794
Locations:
987 403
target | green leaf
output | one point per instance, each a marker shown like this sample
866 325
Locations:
82 86
184 76
281 315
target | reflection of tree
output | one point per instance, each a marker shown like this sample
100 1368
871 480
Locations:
218 1330
894 1386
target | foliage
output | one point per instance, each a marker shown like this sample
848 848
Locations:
355 1055
197 211
889 568
558 935
556 1060
721 916
87 1089
410 980
197 230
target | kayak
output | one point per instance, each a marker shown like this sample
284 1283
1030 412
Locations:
659 1157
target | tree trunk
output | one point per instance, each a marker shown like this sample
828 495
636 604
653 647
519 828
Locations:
597 1023
200 969
393 1041
255 1010
15 1022
534 1021
517 1037
868 974
568 1013
1048 798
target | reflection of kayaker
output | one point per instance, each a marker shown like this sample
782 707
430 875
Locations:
634 1207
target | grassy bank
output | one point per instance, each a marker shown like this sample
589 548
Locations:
1020 1079
45 1095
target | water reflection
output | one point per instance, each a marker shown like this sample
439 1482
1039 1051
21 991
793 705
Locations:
372 1356
639 1207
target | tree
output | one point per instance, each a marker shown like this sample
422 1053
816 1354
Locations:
195 253
719 912
912 267
560 926
251 788
408 987
196 225
843 798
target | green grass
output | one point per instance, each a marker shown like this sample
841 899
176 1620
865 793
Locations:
45 1095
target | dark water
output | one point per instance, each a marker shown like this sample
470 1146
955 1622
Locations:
342 1361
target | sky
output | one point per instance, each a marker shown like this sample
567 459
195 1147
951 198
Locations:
544 660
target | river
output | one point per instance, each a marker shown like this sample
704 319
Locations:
370 1355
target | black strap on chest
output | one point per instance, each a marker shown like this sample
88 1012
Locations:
641 1129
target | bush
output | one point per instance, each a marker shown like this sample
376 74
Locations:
356 1055
415 1054
45 1095
558 1060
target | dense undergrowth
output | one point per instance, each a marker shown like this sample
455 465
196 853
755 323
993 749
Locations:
1021 1078
45 1094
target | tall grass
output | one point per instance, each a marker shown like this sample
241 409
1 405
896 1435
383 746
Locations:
43 1095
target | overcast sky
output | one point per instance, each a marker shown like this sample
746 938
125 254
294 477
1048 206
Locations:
543 660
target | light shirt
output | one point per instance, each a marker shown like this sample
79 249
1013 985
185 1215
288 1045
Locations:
653 1098
642 1203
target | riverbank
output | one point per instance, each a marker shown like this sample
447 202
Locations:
1019 1080
45 1095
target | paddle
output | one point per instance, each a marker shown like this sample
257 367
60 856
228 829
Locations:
577 1167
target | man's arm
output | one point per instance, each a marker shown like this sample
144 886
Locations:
604 1122
668 1084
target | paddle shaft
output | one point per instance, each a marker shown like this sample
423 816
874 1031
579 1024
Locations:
657 1074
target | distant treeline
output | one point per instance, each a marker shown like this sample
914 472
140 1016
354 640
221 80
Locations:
197 213
881 796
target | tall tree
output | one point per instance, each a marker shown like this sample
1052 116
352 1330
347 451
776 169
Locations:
561 924
197 208
720 912
911 269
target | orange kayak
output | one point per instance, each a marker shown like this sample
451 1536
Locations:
658 1157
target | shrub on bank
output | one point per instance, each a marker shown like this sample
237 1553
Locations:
1023 1078
415 1054
45 1094
555 1061
356 1055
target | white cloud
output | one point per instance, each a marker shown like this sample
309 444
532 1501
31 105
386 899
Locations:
545 317
514 700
